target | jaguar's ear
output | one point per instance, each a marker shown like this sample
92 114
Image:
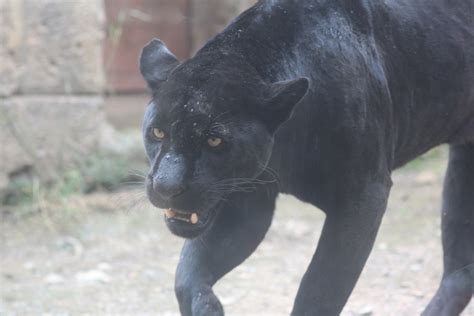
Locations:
156 63
284 96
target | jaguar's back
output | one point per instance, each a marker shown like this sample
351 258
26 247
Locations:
428 57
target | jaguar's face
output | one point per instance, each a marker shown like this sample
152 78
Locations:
199 152
205 133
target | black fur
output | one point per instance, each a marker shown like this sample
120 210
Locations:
322 100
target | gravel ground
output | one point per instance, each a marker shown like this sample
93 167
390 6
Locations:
112 254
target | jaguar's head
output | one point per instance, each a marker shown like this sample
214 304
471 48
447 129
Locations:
208 128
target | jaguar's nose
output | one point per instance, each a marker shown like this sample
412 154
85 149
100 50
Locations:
167 187
168 178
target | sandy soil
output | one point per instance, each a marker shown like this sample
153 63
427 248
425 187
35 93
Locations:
111 254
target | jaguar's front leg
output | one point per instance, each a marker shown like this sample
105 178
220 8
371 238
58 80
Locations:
240 226
348 236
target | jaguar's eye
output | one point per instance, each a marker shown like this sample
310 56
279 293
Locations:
214 141
158 133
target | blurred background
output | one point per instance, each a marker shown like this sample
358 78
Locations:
77 234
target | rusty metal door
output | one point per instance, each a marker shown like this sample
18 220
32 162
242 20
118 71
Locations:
130 24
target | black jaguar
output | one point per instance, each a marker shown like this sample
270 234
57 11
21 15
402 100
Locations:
321 99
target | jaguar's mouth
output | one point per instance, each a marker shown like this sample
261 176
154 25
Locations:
188 224
192 218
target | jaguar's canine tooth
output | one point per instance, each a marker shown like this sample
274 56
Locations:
170 213
194 218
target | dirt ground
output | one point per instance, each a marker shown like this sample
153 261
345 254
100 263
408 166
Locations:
112 254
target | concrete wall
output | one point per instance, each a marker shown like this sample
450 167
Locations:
51 79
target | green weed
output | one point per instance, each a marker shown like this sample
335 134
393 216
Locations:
105 171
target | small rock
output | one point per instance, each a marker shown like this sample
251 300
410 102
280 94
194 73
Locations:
383 246
8 276
104 266
153 274
53 278
231 299
92 276
418 294
405 197
366 311
425 178
71 245
415 267
29 265
297 228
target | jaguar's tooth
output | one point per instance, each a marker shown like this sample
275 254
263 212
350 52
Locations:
170 213
194 218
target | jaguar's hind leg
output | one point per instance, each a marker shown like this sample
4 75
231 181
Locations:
457 285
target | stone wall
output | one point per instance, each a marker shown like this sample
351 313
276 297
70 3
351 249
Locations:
51 79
